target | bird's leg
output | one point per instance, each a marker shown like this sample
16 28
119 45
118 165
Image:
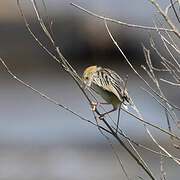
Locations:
119 110
95 104
101 117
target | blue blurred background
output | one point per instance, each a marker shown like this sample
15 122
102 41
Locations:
39 140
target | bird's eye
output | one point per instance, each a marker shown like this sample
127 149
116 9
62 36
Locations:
86 77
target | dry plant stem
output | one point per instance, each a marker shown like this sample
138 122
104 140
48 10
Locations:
130 143
116 21
112 147
140 78
112 20
56 103
169 6
116 44
153 77
141 162
162 172
168 33
119 160
27 25
141 178
169 82
165 41
172 105
67 67
170 67
64 61
165 16
130 140
171 39
152 125
163 149
50 22
144 147
175 60
127 149
175 12
33 35
50 99
160 103
151 88
167 112
173 46
168 123
56 48
137 153
148 86
108 19
72 71
154 140
170 70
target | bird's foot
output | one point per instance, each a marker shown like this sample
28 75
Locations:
94 105
101 117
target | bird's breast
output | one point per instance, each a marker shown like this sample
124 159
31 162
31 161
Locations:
108 96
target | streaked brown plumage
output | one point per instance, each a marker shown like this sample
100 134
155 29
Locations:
108 84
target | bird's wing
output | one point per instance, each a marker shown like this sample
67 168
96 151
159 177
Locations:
112 82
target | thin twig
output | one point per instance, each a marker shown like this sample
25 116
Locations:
162 172
112 147
160 103
116 21
70 70
142 80
165 16
169 6
175 12
169 82
152 125
48 98
144 147
132 155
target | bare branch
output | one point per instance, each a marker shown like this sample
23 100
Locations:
175 12
169 82
165 16
169 6
116 21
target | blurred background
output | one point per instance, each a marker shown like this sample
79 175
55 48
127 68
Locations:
39 140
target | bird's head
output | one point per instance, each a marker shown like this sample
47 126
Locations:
88 75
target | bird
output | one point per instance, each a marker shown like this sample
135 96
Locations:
109 85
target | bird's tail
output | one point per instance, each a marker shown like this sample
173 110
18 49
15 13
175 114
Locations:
125 106
133 106
129 102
